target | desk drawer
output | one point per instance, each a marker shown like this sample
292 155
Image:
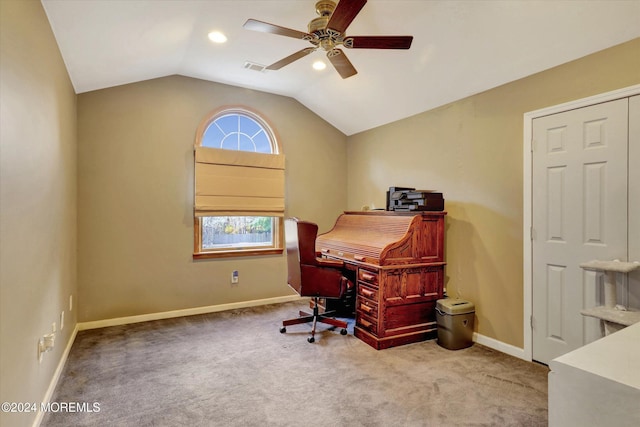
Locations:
370 277
366 323
368 308
367 292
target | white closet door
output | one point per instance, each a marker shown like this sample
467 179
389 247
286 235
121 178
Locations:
579 214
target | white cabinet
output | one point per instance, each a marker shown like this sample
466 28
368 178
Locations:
598 384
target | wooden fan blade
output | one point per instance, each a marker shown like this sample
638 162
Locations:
289 59
378 42
265 27
344 13
341 63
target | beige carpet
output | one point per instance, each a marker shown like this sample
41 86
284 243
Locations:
235 369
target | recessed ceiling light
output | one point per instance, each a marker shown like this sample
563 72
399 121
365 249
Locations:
319 65
217 37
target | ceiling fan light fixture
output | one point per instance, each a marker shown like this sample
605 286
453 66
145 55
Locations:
217 37
319 65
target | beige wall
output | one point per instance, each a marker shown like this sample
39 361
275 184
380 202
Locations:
37 203
136 195
471 150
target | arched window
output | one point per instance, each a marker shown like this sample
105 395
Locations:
239 130
239 186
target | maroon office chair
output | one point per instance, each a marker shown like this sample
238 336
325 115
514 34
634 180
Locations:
311 276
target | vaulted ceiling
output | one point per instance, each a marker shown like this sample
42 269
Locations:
459 48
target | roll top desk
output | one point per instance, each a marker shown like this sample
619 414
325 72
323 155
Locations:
396 260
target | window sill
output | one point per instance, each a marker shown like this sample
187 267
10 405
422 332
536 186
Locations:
238 253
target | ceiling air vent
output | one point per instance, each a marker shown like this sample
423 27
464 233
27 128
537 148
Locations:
254 66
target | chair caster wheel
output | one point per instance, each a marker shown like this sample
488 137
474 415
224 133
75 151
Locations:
283 330
343 332
311 339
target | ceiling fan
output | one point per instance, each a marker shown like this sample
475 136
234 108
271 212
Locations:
327 32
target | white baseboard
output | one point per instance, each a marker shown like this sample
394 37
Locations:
186 312
56 376
499 346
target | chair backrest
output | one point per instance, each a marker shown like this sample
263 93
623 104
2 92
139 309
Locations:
305 275
300 237
293 253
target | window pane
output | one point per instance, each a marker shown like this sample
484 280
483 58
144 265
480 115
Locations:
249 126
230 142
228 123
212 136
263 145
223 232
245 143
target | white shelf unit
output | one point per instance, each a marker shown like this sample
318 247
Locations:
613 316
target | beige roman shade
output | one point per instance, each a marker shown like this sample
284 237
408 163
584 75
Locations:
229 182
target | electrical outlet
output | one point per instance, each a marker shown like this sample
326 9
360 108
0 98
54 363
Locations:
45 344
62 320
71 302
235 277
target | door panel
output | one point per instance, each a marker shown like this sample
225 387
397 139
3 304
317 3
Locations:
634 198
579 214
